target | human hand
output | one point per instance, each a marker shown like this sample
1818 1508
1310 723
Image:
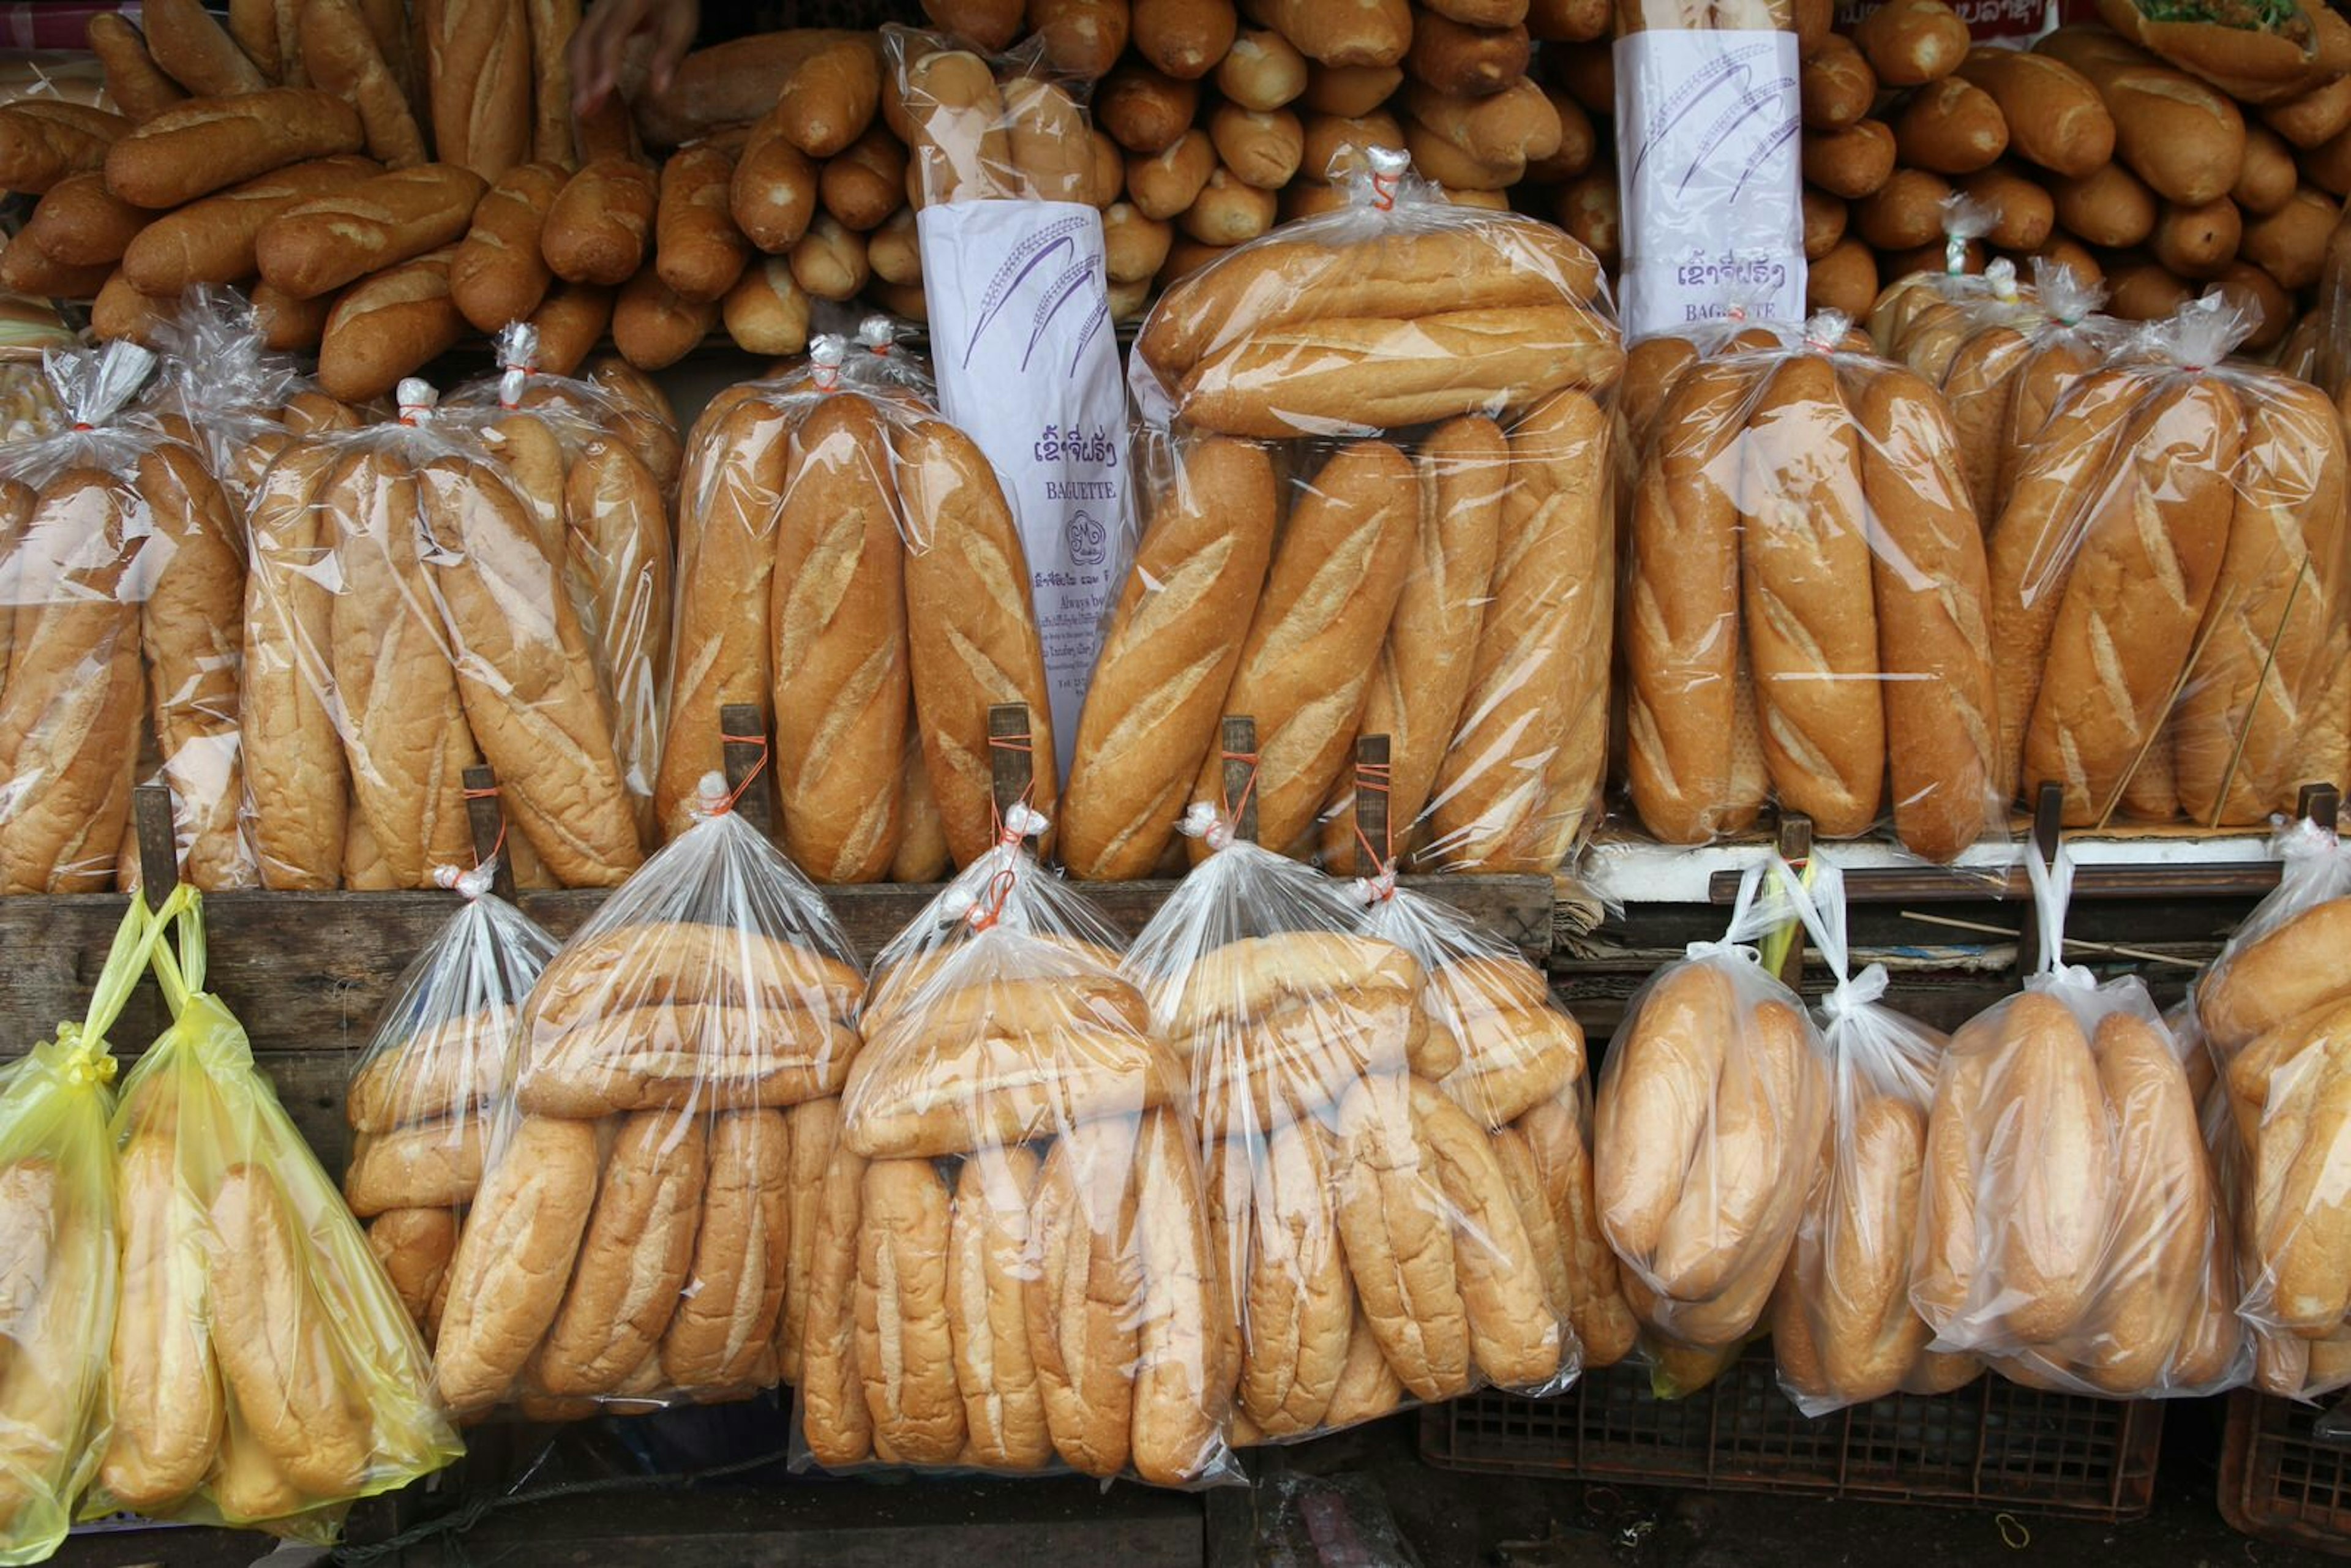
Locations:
603 38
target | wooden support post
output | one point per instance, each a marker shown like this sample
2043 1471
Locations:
1372 846
1795 847
2319 803
486 816
1011 757
743 746
159 846
1240 773
2048 830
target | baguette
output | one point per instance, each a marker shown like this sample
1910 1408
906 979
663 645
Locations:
1515 1334
775 187
2182 136
498 274
553 24
866 185
988 1246
904 1345
1934 633
389 325
1182 1384
329 241
722 1335
1558 1144
42 141
1308 661
196 52
292 755
1297 1305
529 689
163 1381
767 311
1169 660
618 545
1516 779
189 629
75 690
839 627
1081 1292
834 1416
207 144
599 228
137 85
1392 1215
343 57
2057 1192
699 251
571 320
212 240
973 641
955 130
2136 595
79 224
634 1257
828 101
479 64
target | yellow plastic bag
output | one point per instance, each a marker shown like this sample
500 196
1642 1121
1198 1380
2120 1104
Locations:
263 1373
57 1280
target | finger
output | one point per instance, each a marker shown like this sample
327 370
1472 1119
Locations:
674 29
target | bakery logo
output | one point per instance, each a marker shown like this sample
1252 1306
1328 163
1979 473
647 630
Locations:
1052 273
1088 541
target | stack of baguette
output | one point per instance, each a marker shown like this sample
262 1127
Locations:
123 558
630 1238
2181 526
1371 1243
1011 1265
1806 609
420 1102
1709 1134
2272 1010
849 563
2069 1224
405 619
1472 621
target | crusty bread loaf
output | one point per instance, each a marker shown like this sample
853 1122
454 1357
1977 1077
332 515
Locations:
699 252
634 1257
1426 665
291 752
838 1427
414 1246
198 52
329 241
1516 1333
1168 659
1524 765
2151 545
80 223
478 59
904 1345
528 684
402 722
189 629
1295 1302
75 690
1079 1298
1314 639
939 1091
722 1335
2278 976
387 326
138 86
212 240
1391 1211
602 222
617 540
1182 1384
1558 1141
162 1383
971 626
343 57
1682 644
43 139
498 274
839 624
1934 633
207 144
726 559
553 24
988 1244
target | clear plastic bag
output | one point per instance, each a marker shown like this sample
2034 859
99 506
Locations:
570 452
1805 612
404 600
848 564
423 1093
1367 1237
1962 281
1842 1323
631 1239
2167 616
1710 1135
1013 1268
1522 1077
263 1373
58 1205
2282 962
2069 1212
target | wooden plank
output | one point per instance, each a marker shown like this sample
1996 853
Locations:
310 971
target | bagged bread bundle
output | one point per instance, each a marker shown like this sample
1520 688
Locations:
1522 1078
849 563
629 1242
57 1236
422 1096
1370 1245
1962 278
1445 573
2068 1209
1842 1323
263 1373
2280 964
1006 176
404 620
1710 1135
574 454
1012 1267
1805 612
2001 360
2166 620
